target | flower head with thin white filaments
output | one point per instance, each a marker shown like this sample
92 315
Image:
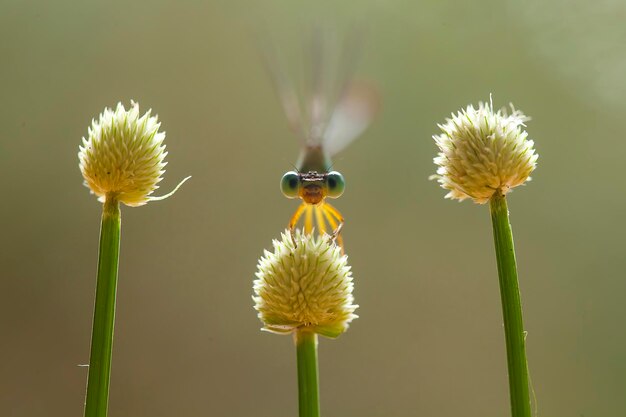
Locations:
483 152
305 283
123 156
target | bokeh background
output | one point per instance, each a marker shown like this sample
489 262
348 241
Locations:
429 340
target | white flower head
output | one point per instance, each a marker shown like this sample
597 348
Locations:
123 156
304 286
483 152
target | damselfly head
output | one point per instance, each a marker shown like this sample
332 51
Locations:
312 187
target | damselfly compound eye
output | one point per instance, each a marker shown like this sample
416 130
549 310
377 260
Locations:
290 184
336 184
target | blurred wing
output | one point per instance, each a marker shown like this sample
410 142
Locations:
316 104
352 115
284 89
333 109
333 59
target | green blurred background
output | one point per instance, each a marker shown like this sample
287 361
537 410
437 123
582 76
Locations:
429 340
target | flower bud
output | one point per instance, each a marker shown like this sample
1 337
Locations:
483 152
305 283
123 155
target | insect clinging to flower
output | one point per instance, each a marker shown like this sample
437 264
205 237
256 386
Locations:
333 112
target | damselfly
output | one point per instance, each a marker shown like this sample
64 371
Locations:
333 112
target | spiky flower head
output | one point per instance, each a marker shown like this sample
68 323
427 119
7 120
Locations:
305 283
483 152
123 155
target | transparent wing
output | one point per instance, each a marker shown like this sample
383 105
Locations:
330 109
317 102
284 89
332 64
351 116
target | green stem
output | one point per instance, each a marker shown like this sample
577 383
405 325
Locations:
511 308
308 381
97 400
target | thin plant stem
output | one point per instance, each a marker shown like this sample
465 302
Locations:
308 380
511 307
97 400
